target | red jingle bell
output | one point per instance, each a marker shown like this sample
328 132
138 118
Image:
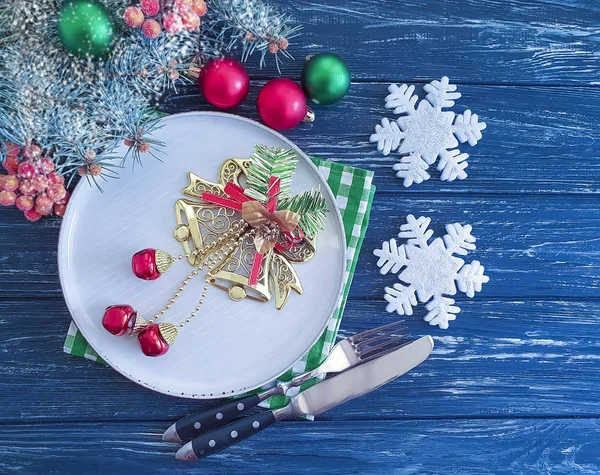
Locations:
155 340
224 82
282 104
150 264
119 319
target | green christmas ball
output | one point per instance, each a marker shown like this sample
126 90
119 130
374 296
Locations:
325 78
86 28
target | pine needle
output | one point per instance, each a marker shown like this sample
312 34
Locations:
268 162
69 106
311 207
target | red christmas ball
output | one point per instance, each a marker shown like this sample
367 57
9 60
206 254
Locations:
224 82
119 319
143 264
282 104
152 342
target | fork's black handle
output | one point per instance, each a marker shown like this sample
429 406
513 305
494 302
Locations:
204 421
226 436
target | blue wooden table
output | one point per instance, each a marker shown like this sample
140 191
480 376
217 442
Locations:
513 385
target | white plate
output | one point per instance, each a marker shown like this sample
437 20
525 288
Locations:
230 347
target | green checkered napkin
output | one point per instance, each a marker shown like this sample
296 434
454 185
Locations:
354 192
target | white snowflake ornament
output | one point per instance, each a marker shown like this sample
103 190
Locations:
426 131
430 270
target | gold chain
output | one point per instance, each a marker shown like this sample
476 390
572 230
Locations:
212 263
235 235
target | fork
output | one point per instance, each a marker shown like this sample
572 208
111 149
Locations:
349 352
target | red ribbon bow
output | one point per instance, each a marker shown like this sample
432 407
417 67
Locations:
236 199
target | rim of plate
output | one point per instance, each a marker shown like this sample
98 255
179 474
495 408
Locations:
63 250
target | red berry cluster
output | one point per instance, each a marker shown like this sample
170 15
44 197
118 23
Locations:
172 15
32 184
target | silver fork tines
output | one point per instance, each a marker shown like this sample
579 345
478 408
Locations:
378 340
397 333
366 354
353 350
388 329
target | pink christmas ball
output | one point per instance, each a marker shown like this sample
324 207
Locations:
224 82
281 104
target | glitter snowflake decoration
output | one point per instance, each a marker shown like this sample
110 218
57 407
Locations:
430 270
426 131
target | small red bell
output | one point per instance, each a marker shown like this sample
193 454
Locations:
155 340
121 319
150 264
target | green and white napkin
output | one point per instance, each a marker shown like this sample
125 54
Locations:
354 192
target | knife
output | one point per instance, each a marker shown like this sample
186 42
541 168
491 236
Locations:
352 351
315 400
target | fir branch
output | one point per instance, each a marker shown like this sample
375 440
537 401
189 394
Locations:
253 24
270 162
17 16
70 106
155 66
312 208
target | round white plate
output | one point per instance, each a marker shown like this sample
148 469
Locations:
229 348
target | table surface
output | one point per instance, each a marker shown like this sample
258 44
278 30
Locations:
513 385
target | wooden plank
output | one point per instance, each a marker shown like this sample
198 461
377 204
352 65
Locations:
498 359
531 246
538 140
441 446
528 348
494 41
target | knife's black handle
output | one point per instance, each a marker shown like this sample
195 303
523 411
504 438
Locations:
204 421
231 434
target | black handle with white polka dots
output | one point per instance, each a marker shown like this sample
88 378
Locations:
195 424
231 434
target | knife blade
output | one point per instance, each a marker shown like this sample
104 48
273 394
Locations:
315 400
347 353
